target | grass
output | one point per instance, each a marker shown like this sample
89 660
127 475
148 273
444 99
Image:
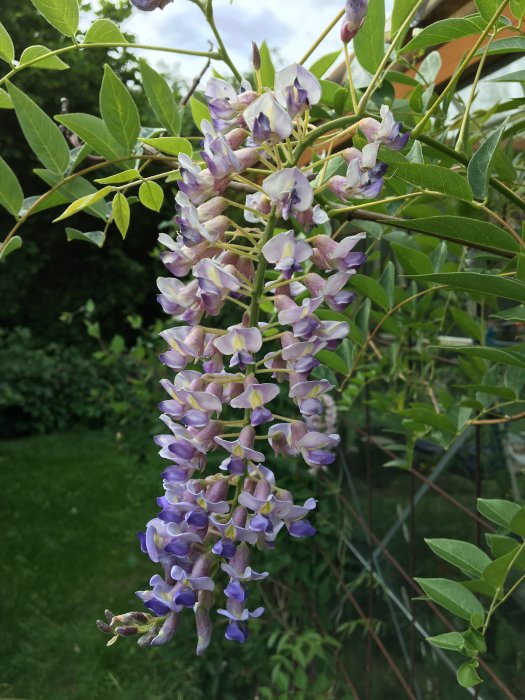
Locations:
72 505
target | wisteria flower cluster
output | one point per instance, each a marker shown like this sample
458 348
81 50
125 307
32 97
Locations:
227 381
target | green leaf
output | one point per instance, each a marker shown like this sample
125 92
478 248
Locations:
333 361
370 288
267 67
5 101
435 177
505 46
515 77
387 282
121 213
7 50
61 14
412 261
517 524
369 44
104 31
498 511
493 355
95 133
452 596
517 313
120 178
477 282
320 67
445 30
501 544
199 111
464 555
118 110
453 641
94 237
13 244
11 195
172 145
467 674
42 134
73 190
161 98
467 323
400 11
465 231
480 166
84 202
497 571
518 8
427 416
487 9
151 195
46 62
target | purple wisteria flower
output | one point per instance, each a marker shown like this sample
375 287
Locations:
240 343
289 191
220 398
268 120
355 15
226 106
364 177
386 132
297 88
150 5
287 252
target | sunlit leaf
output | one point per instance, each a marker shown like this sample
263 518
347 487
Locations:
161 98
151 195
121 213
7 50
44 62
172 145
369 44
118 110
104 31
42 134
61 14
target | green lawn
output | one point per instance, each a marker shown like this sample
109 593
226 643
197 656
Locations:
71 505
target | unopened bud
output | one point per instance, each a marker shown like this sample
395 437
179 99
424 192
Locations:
104 627
256 56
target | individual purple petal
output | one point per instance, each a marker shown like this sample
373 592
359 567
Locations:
301 528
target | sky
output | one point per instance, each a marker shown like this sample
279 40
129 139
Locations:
290 26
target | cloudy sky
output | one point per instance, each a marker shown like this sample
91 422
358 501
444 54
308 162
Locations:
290 26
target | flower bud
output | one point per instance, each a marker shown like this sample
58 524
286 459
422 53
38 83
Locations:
355 16
256 57
150 5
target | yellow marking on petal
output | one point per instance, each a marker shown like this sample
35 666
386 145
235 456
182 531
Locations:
288 250
194 403
256 399
238 342
230 532
237 451
266 509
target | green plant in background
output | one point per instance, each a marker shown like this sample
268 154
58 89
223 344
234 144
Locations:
445 246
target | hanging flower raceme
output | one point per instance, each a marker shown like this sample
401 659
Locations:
227 382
